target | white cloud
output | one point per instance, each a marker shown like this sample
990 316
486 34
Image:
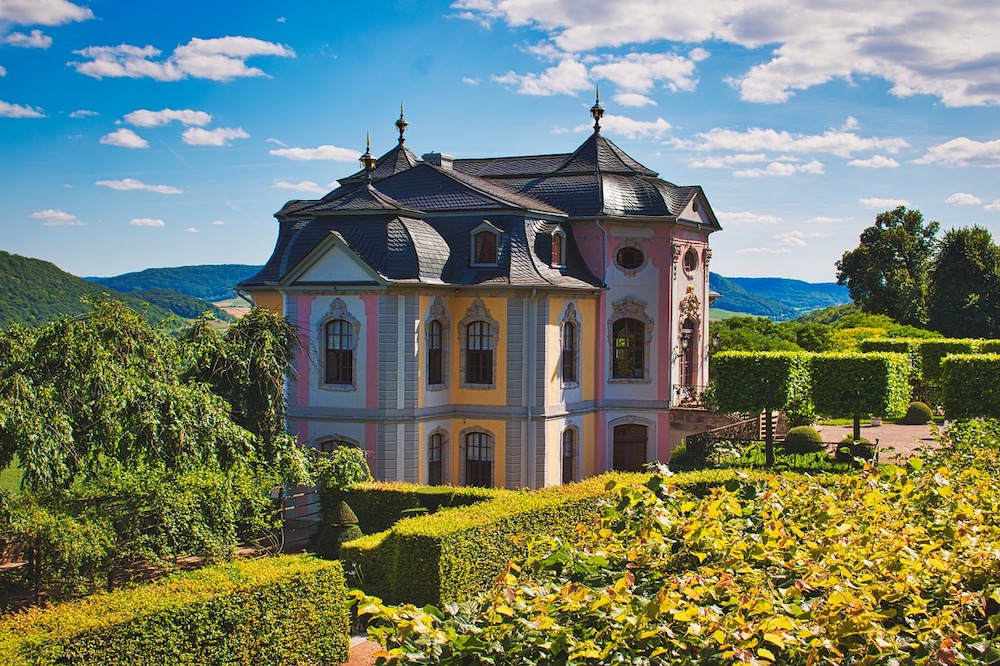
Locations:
725 161
469 81
799 238
19 111
127 184
281 19
277 142
124 138
963 152
196 136
192 230
57 218
822 219
921 47
301 186
218 223
83 113
963 199
993 207
875 162
333 153
36 40
841 144
146 222
3 71
814 168
640 72
221 59
876 203
629 127
147 118
764 250
567 78
745 217
42 12
633 99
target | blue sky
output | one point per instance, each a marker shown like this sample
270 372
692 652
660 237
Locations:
164 133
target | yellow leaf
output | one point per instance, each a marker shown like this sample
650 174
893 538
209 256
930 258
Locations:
775 639
764 653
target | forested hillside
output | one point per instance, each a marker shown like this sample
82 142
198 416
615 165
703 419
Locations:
36 292
213 282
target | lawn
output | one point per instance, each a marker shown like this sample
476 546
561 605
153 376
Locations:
10 478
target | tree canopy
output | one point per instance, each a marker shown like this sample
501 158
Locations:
964 295
888 272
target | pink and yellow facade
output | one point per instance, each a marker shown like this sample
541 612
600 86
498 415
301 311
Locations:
513 322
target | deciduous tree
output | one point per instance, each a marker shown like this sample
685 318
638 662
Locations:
964 295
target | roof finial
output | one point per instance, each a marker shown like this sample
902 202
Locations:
368 161
401 124
597 111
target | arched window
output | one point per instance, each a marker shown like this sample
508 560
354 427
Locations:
628 340
331 445
339 352
568 455
435 357
479 459
629 443
479 353
569 342
435 450
557 248
485 247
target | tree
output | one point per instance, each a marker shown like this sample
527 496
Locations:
852 385
888 272
964 294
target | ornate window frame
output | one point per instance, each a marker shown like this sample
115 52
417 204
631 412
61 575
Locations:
477 312
485 227
691 257
630 243
338 310
630 308
439 314
463 459
570 316
445 467
558 237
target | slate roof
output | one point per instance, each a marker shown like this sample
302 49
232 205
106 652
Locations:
410 221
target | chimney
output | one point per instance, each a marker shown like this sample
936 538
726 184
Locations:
443 160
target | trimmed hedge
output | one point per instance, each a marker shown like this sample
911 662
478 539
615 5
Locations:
751 381
268 611
989 347
454 554
971 386
918 413
380 505
859 384
908 346
802 439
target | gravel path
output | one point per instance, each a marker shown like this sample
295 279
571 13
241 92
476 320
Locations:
894 441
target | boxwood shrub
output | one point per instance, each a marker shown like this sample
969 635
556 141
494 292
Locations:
453 554
268 611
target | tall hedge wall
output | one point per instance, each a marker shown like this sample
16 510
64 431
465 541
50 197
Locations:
859 384
971 386
453 554
908 346
932 351
262 612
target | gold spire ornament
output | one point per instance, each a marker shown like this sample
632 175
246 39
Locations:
597 111
401 124
368 161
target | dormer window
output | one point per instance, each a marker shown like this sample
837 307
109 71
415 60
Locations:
558 248
485 244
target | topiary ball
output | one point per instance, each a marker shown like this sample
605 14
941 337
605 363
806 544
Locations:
918 413
802 439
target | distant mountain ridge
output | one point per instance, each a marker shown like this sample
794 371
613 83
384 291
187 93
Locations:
780 299
210 282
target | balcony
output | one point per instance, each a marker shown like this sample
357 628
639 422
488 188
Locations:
688 396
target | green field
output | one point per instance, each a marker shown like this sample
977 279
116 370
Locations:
10 478
715 314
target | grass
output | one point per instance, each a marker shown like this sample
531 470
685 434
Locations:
10 478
